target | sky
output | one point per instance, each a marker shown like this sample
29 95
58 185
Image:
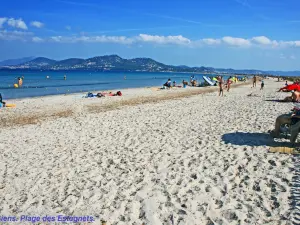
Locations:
239 34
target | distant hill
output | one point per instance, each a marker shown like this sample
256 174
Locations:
116 63
39 62
13 62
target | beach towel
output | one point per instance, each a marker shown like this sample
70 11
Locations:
290 87
285 150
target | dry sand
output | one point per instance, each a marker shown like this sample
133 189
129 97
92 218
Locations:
149 156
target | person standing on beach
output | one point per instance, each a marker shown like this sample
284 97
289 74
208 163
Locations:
262 85
220 81
254 81
229 83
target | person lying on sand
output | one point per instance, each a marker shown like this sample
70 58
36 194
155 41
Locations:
295 97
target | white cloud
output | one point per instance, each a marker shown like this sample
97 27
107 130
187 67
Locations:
68 27
17 23
164 39
263 40
285 44
259 41
15 35
211 41
93 39
241 42
112 39
37 24
297 43
57 38
2 21
37 39
255 42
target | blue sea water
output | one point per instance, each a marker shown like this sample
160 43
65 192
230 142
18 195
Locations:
36 83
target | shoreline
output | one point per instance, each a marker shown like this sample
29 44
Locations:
115 90
42 91
34 110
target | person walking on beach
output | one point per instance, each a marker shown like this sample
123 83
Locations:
262 85
1 100
254 81
220 81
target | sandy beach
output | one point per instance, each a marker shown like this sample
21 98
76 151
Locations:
180 156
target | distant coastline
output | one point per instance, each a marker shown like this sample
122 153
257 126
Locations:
114 63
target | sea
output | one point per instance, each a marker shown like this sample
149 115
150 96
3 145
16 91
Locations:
44 83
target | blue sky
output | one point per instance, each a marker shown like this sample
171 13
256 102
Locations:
258 34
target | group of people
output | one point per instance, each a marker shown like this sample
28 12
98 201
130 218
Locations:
262 84
219 82
169 83
225 84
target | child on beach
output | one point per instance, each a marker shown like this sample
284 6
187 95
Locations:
262 85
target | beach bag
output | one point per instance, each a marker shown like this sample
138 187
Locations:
119 93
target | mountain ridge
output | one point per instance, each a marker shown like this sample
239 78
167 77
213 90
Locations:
117 63
12 62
